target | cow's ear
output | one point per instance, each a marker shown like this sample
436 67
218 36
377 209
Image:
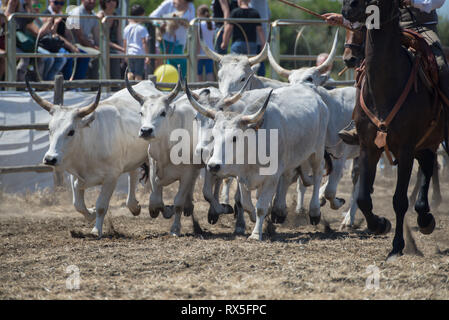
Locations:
85 122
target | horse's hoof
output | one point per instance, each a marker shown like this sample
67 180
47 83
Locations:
227 208
168 212
393 256
430 225
278 216
212 217
384 226
322 201
314 221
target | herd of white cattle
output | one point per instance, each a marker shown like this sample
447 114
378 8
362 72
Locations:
134 127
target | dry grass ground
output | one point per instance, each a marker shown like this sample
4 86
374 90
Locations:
41 235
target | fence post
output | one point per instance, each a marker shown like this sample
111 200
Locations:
58 98
275 45
104 50
11 51
192 60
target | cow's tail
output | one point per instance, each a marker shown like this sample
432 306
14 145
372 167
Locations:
328 163
145 173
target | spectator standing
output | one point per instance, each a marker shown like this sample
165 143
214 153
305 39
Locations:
263 9
86 33
115 35
221 9
174 32
252 30
135 37
207 34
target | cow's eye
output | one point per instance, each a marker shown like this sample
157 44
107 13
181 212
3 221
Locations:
243 79
234 139
163 114
309 79
71 133
141 114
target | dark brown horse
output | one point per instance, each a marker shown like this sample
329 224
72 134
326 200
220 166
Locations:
354 48
388 70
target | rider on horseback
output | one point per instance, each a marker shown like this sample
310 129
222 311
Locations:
419 16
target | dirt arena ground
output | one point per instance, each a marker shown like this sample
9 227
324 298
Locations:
41 235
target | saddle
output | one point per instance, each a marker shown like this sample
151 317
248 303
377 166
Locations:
419 48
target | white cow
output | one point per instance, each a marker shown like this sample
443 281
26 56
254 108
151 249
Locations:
96 144
341 103
299 117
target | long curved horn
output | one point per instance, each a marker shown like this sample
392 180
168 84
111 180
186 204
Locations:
326 64
209 52
236 97
40 101
175 91
84 111
276 67
140 98
260 57
197 106
256 117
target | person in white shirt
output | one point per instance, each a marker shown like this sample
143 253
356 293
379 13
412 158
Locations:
174 32
135 37
207 31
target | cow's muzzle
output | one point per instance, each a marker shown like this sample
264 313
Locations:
146 132
213 167
50 160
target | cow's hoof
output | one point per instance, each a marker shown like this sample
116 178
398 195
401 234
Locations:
278 215
315 220
154 212
426 224
322 201
175 231
168 212
96 233
90 217
384 226
212 216
227 209
337 203
188 211
255 236
239 231
136 211
252 216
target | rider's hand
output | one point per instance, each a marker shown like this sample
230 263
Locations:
334 19
406 3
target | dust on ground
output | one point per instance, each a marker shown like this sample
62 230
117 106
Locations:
44 242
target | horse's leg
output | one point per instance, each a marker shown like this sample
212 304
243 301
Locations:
426 222
436 194
400 199
368 164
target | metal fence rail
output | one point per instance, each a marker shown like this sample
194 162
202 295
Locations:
191 47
